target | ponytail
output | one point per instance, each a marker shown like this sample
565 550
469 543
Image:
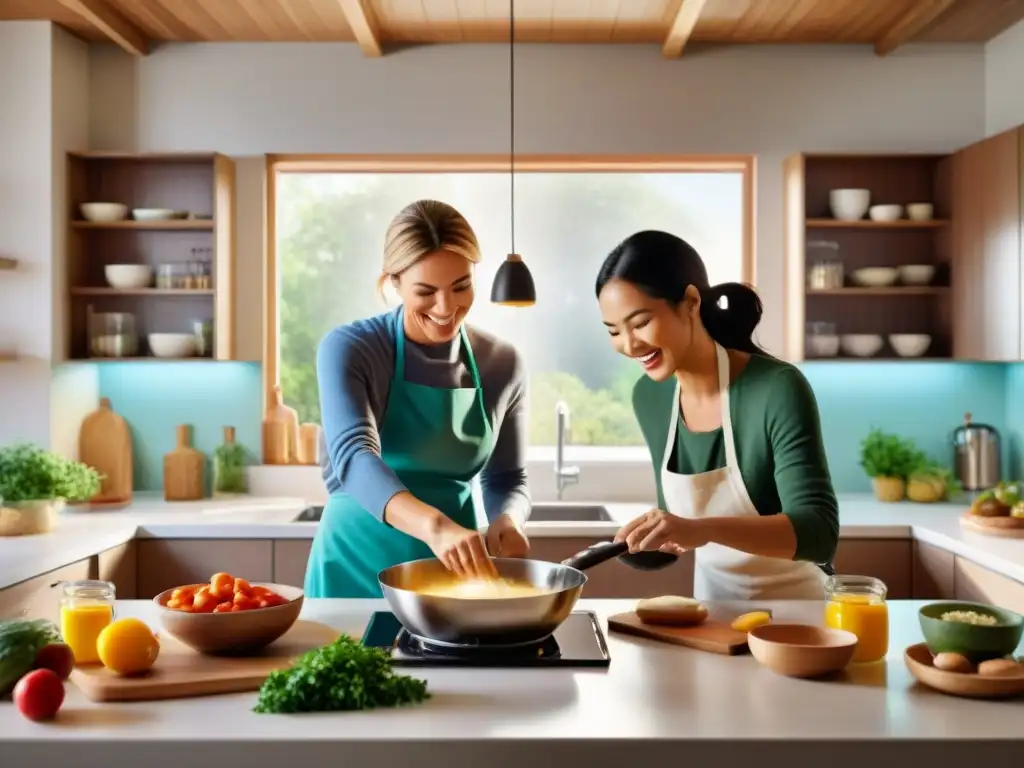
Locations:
732 326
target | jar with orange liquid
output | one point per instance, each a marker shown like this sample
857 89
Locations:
86 607
857 604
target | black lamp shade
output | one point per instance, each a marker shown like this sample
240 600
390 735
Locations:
513 285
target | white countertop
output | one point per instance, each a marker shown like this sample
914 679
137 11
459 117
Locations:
653 697
83 533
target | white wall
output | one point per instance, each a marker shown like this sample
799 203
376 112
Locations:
249 99
43 90
1004 80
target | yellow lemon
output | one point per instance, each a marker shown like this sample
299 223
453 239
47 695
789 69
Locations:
127 646
752 620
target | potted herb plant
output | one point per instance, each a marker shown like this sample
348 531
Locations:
35 484
888 460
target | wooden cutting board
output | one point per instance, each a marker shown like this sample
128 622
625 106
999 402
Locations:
105 444
713 636
180 672
184 469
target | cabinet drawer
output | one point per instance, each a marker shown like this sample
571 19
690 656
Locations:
39 598
885 559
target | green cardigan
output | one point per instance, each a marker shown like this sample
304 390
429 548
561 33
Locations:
778 447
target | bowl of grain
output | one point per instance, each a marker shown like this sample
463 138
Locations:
975 630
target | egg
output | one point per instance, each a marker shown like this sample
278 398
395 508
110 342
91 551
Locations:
1000 668
952 662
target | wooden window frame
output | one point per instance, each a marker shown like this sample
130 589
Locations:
292 163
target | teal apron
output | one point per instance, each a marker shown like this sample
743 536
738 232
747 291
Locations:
436 441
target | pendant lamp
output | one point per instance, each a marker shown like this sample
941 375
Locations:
513 285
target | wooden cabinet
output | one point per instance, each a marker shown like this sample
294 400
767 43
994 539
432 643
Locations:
885 559
933 572
979 584
290 558
191 256
986 252
39 598
166 563
119 566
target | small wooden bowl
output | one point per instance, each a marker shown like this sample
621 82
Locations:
968 685
237 633
801 650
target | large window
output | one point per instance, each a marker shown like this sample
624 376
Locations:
329 223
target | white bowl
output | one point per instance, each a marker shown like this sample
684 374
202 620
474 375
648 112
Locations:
920 211
823 345
916 274
153 214
103 212
875 277
910 344
861 344
886 212
172 344
849 204
127 276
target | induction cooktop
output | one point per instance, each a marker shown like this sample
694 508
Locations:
578 642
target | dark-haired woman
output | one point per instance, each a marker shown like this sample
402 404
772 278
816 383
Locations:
733 433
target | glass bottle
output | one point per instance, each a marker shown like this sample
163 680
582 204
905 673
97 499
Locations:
229 467
86 607
857 604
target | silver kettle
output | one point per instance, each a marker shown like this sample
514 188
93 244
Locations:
976 455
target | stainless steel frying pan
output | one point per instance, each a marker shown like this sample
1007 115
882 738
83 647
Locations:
500 621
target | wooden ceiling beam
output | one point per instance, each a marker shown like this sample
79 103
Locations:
363 20
111 23
682 27
923 13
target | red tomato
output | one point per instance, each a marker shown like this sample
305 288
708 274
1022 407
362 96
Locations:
56 657
39 694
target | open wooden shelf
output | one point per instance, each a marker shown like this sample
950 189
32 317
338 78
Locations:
201 225
104 291
852 309
201 184
6 262
6 356
895 290
869 224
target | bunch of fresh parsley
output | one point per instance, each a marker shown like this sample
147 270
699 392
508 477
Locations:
345 675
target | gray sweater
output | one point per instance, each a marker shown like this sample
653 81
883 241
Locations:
355 364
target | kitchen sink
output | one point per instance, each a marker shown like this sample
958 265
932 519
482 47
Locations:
309 515
569 513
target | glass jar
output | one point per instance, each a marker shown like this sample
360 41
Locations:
857 604
86 607
112 334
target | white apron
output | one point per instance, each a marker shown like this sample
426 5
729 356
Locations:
722 573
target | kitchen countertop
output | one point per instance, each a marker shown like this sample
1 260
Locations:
83 533
655 701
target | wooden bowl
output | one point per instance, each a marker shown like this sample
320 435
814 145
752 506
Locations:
978 643
237 633
801 650
969 685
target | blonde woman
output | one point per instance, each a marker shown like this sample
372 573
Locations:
414 405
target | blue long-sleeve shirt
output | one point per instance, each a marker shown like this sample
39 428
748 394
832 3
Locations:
355 365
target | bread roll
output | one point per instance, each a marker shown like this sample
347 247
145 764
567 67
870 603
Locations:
671 610
1000 668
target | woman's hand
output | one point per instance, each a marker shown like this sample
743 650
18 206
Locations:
462 551
662 530
506 539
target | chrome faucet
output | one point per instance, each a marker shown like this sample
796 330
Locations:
564 476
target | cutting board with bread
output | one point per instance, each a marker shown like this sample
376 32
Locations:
685 621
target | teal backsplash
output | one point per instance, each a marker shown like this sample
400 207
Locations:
154 398
921 400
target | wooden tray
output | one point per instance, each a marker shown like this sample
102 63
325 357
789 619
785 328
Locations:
180 672
919 661
1004 527
712 636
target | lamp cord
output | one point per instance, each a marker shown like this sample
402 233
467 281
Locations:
512 116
